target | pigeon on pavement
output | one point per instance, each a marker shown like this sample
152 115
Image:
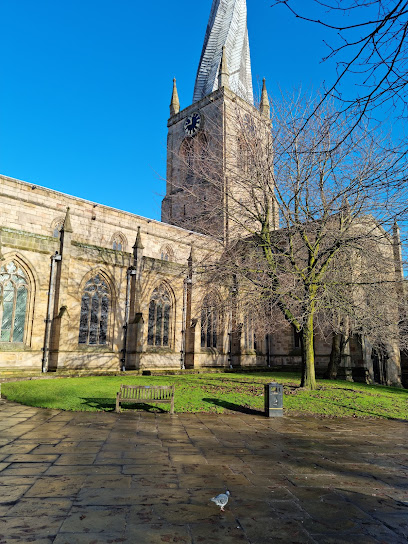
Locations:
221 500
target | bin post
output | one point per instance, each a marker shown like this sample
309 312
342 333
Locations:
273 400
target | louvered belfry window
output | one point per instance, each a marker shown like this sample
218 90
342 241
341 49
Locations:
13 303
159 318
95 306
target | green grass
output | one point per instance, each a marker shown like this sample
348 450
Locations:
216 393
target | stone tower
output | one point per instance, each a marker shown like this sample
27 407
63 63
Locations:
203 152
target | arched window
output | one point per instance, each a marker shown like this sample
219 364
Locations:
188 153
159 318
166 253
209 323
193 152
297 338
249 333
95 307
13 303
248 150
56 227
242 156
118 242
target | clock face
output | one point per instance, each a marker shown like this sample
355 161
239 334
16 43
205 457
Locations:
192 124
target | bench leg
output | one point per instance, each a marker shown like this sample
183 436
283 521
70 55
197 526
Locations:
172 406
117 405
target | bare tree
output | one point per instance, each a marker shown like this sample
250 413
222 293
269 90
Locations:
371 51
304 215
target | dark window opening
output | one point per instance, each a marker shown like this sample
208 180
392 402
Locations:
297 338
209 324
158 331
95 307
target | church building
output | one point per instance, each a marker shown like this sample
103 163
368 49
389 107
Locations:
86 286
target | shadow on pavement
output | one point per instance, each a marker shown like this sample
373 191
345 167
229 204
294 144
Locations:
109 405
234 407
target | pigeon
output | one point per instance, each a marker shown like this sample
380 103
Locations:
221 500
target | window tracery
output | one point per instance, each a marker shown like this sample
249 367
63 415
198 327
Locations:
95 308
249 333
242 156
13 303
209 322
166 253
193 152
159 325
118 242
56 227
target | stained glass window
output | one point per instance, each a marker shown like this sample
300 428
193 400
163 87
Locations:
95 307
209 323
13 303
158 333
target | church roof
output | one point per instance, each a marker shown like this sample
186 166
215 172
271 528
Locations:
227 27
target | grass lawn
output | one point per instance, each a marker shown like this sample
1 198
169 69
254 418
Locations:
216 393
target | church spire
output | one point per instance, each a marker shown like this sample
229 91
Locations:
175 102
264 106
227 27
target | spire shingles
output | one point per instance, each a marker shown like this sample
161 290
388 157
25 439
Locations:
227 27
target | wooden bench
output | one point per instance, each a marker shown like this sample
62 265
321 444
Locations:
146 394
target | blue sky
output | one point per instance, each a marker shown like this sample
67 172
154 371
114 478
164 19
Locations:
86 85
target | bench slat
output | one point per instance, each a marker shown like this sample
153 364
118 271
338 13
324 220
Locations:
139 393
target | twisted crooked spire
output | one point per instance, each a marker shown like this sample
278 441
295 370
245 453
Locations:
227 28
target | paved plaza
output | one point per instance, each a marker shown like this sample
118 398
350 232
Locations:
147 478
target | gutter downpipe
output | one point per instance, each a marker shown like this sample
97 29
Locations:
46 349
184 325
126 325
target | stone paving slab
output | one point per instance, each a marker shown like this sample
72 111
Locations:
147 478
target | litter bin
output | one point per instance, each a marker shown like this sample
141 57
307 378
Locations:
273 400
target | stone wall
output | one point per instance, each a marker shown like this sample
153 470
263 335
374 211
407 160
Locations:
160 255
30 215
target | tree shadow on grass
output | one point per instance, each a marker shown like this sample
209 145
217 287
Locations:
108 404
234 407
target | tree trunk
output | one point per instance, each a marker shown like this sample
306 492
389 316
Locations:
309 381
335 358
302 349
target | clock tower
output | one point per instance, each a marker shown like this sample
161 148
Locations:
203 153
